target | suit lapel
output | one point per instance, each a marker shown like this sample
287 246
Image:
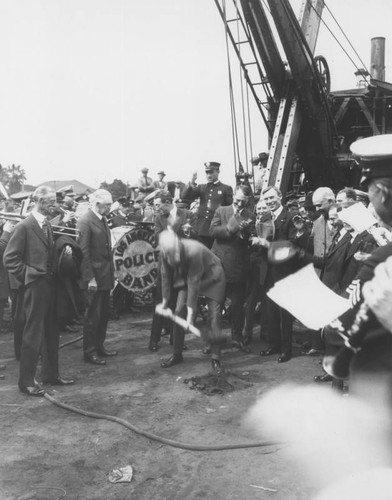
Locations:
102 225
341 242
229 212
37 229
280 219
354 247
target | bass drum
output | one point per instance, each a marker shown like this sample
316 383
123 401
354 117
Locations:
136 257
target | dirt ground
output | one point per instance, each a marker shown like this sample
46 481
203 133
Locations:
48 452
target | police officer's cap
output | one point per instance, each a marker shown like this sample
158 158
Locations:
374 155
211 165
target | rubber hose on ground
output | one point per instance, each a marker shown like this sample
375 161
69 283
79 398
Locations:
154 437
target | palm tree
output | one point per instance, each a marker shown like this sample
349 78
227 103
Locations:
16 178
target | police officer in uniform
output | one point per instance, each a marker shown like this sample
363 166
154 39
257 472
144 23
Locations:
212 195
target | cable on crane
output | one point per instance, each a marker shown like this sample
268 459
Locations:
231 94
338 42
346 37
242 95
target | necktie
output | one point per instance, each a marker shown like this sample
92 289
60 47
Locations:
335 240
45 228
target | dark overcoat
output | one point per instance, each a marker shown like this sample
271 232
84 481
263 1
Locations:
230 243
95 242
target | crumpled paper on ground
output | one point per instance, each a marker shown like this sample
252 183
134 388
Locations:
121 475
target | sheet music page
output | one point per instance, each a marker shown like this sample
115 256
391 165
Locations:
308 299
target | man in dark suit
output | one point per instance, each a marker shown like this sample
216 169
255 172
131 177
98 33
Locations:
231 228
176 189
212 195
191 269
362 245
180 220
278 322
29 258
97 275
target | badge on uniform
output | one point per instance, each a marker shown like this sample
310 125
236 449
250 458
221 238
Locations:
219 192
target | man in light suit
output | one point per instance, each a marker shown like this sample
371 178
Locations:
181 221
97 275
160 184
192 269
231 228
322 200
29 258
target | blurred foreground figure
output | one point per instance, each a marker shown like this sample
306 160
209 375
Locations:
191 269
341 445
367 353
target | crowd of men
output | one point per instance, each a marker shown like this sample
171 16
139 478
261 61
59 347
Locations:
216 255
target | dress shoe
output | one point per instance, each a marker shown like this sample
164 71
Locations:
312 352
284 357
34 390
2 376
71 329
59 381
153 347
2 367
323 378
216 366
94 360
206 350
173 360
269 352
104 353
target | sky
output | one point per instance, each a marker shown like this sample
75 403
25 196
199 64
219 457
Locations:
97 89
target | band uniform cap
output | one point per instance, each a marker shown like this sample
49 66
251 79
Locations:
124 201
66 191
161 172
211 165
374 155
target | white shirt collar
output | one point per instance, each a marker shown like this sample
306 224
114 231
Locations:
40 218
173 211
97 214
277 212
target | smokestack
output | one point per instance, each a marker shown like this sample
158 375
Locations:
377 58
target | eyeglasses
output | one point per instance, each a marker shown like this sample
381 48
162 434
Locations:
317 205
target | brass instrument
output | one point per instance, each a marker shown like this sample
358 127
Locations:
72 232
11 216
57 230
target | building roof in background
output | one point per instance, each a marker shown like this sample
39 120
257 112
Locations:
78 187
